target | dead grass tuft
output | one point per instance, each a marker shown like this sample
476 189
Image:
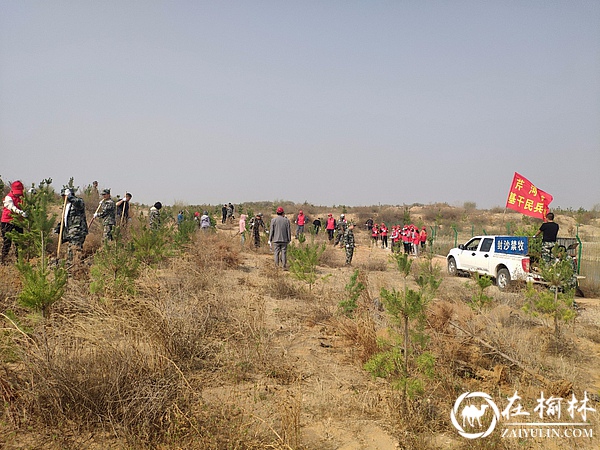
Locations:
592 333
279 286
97 374
290 410
561 345
10 286
439 314
360 330
211 251
333 257
374 265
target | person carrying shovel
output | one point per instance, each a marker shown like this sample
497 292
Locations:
107 214
73 227
123 210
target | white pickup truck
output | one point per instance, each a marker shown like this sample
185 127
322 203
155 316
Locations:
501 257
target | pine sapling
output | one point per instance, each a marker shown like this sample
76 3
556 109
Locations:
42 286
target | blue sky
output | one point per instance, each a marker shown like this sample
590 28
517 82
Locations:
329 102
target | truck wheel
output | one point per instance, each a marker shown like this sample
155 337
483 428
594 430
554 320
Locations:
452 271
503 279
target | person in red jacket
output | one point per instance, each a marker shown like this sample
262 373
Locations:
406 239
395 236
330 226
416 240
383 233
375 234
300 222
12 207
423 237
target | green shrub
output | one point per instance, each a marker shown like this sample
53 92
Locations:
185 233
385 363
354 289
151 246
480 300
115 269
304 259
403 359
557 302
42 286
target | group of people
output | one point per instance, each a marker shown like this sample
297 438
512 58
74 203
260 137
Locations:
339 232
280 236
203 221
227 212
73 227
280 233
412 239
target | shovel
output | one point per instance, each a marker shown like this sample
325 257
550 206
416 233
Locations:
94 216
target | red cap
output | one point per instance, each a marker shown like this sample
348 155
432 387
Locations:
279 210
17 187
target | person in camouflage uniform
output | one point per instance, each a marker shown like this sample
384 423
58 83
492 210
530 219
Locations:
229 212
342 226
107 214
348 242
123 210
154 216
75 227
255 225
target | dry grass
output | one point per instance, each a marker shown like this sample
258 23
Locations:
333 257
374 265
98 372
219 349
361 332
279 286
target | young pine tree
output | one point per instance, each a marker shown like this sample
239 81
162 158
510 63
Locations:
557 302
42 286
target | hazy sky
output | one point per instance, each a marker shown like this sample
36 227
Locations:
329 102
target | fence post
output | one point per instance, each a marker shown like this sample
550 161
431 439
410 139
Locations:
579 251
432 237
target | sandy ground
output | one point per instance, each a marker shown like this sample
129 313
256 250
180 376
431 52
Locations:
337 402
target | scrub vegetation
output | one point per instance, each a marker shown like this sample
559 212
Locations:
176 338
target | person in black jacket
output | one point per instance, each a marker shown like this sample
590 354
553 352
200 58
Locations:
549 231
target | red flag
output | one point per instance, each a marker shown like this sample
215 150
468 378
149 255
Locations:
527 199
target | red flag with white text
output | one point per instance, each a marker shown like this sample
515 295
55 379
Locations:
527 199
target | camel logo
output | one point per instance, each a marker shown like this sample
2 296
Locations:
472 414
